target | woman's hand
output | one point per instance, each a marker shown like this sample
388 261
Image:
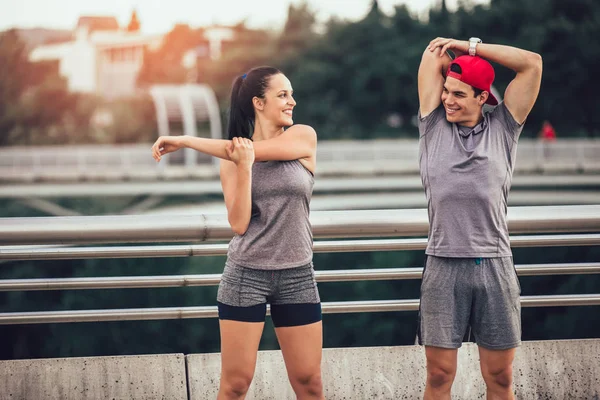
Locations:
165 145
241 152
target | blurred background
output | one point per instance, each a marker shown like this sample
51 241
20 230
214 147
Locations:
87 86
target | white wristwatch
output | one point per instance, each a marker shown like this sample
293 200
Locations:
473 42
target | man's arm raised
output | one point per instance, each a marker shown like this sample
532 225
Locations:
523 90
431 79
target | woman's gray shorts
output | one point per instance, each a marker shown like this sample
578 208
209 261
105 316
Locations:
292 293
481 293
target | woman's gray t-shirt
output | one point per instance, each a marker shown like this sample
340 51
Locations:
467 174
279 235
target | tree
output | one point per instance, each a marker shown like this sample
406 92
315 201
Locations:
359 75
298 32
164 65
13 64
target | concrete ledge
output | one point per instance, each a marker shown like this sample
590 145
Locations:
130 377
563 369
568 369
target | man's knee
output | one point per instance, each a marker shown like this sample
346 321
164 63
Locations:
309 383
499 377
441 367
438 377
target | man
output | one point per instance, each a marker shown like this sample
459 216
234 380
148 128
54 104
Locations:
466 160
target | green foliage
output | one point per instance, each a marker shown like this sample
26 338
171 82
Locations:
134 121
13 64
298 32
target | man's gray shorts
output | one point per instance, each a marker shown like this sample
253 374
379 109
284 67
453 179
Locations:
481 293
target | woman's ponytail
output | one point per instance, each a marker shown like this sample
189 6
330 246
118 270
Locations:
239 123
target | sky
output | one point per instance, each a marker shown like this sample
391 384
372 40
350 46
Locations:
159 16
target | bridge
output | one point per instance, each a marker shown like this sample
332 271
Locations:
553 369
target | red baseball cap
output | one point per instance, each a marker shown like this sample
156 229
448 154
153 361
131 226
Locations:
476 72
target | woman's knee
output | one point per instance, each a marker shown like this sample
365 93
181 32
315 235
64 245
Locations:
236 384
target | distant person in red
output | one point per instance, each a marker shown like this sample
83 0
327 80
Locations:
547 133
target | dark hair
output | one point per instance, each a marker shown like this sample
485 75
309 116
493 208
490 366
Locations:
456 68
241 110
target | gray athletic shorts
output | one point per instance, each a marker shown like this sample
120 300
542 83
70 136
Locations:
244 293
244 287
480 293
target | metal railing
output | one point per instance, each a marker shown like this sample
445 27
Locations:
529 226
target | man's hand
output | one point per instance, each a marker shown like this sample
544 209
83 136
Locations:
458 47
241 152
165 145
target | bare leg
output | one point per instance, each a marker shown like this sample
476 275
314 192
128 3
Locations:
302 348
441 370
496 368
239 349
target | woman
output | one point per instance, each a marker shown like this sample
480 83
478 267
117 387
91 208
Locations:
267 178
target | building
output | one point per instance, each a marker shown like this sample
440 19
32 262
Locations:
102 58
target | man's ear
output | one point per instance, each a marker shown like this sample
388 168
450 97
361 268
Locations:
483 97
258 103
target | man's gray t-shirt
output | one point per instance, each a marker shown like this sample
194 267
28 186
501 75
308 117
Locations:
467 174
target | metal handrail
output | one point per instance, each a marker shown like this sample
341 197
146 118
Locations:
160 281
323 185
325 224
131 314
329 246
330 224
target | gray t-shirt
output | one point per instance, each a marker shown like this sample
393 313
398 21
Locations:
467 174
279 235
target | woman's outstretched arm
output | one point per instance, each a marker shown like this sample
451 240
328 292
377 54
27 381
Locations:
298 142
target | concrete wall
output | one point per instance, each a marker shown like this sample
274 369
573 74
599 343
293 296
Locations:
550 370
119 378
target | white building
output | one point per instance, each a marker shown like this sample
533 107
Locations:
103 58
